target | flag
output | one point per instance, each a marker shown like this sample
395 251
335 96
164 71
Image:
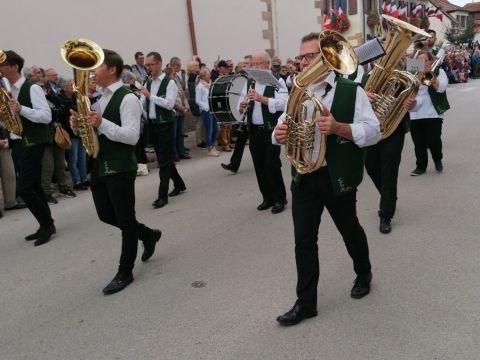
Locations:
384 7
394 11
430 11
402 12
341 14
389 8
439 14
327 23
417 10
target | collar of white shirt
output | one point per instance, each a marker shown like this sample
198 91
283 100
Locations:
113 87
160 78
19 83
330 80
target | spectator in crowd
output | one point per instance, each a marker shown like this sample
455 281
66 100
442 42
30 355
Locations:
193 68
201 98
139 68
225 128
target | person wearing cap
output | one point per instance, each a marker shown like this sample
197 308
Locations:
225 128
29 102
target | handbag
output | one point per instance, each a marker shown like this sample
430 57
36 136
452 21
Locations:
62 139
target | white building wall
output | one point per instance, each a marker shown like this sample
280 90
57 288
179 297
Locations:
440 27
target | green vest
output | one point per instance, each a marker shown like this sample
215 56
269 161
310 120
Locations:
345 160
164 116
269 119
33 133
115 157
439 100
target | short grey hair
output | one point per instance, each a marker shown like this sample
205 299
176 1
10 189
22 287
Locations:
203 73
128 76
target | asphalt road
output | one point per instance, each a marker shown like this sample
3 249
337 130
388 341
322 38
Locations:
424 302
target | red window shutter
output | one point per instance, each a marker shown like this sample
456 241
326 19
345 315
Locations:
352 7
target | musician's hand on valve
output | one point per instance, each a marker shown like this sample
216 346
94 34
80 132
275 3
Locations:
15 105
326 123
94 118
371 96
409 103
145 92
281 133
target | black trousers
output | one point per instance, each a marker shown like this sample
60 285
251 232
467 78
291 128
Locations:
382 162
114 199
28 164
236 159
161 137
309 198
267 164
427 134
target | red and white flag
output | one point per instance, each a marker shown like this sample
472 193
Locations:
439 14
389 9
417 10
394 11
341 14
384 7
430 11
327 22
402 12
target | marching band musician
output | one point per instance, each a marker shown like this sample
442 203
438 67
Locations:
116 115
28 100
262 115
427 117
160 93
351 124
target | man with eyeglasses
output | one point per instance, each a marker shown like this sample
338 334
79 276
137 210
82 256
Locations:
266 106
160 93
350 124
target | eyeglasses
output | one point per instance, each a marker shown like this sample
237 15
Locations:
308 57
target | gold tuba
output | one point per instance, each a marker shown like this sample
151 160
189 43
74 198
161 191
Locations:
83 55
335 54
11 119
392 86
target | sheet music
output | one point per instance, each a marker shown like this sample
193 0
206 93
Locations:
264 77
369 51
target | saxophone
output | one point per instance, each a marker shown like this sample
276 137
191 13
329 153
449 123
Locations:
11 119
83 56
392 86
335 54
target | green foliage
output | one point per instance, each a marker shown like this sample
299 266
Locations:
466 36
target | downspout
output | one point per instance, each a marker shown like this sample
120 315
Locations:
192 27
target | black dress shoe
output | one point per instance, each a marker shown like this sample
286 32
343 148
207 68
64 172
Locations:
176 191
361 286
278 207
417 172
296 314
44 235
157 204
264 205
185 156
36 234
51 199
229 167
16 207
149 244
1 214
439 166
119 282
385 225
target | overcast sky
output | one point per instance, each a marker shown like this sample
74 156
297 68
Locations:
461 2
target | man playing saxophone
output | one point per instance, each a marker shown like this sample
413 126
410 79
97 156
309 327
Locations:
28 100
116 116
349 123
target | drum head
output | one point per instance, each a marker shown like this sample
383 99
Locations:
224 97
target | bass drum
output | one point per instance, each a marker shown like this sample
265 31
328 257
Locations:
224 96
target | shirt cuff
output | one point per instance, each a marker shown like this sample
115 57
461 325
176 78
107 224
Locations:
358 134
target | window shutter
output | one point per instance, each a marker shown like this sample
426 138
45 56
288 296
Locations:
352 7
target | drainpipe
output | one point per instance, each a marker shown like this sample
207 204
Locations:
192 27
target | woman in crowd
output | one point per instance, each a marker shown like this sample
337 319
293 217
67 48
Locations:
201 98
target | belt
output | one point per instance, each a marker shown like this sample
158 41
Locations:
260 127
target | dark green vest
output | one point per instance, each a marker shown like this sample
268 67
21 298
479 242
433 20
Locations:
345 160
33 133
439 100
115 157
164 116
269 119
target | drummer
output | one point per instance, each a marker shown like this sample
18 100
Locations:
225 128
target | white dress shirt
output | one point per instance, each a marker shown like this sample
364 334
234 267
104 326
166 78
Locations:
424 109
39 112
130 113
167 102
275 104
365 127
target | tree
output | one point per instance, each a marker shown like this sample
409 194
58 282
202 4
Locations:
466 36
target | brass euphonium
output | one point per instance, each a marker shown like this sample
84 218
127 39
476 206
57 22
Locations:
11 119
335 54
392 86
83 55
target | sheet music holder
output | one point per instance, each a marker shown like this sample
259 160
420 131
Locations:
264 77
369 51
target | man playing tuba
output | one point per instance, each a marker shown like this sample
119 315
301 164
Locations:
349 123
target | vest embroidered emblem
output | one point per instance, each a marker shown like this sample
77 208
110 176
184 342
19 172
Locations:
342 186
